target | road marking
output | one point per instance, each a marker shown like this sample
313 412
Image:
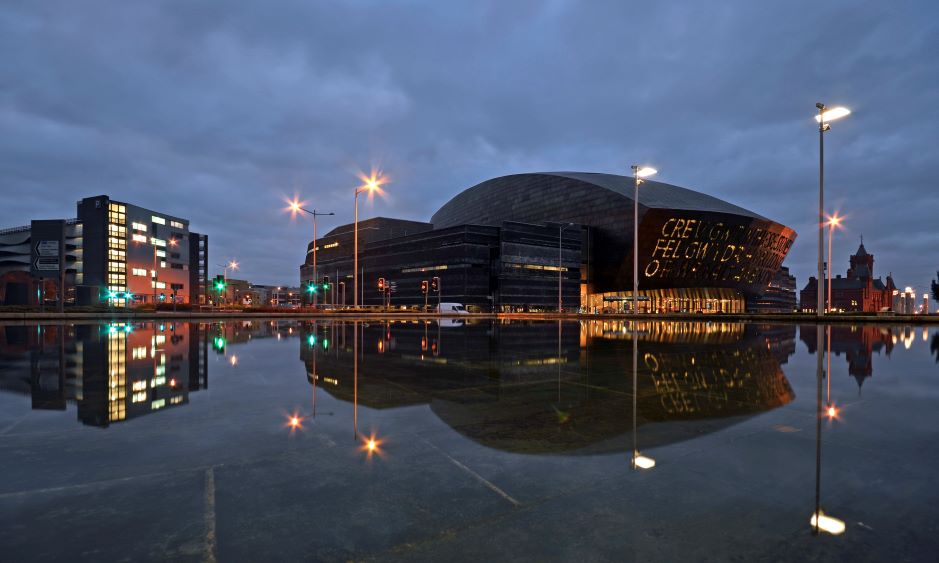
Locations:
492 486
13 424
209 552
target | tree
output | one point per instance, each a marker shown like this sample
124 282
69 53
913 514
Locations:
935 288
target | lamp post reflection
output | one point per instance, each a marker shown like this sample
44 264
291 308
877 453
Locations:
355 380
639 461
315 374
821 522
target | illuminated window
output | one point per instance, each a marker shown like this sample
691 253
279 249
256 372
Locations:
139 272
140 238
331 245
139 227
139 397
158 220
139 353
425 269
140 385
158 404
119 230
158 285
161 253
177 225
115 266
157 241
176 400
162 264
114 254
157 381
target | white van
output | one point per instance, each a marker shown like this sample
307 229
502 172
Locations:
452 309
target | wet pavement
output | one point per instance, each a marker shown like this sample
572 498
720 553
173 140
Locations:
490 440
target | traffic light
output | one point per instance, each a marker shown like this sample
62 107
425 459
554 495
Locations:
381 284
162 297
219 344
219 283
311 289
424 287
435 284
325 282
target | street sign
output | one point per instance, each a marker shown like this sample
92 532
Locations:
47 264
47 248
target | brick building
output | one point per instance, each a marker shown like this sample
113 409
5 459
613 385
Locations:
858 291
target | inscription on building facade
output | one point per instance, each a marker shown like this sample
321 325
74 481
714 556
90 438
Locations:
697 249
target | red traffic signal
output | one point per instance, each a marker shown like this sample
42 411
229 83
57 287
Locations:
423 286
381 284
435 284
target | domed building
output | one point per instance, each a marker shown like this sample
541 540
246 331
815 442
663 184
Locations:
538 241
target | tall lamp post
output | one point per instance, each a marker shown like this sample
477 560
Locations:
825 115
639 172
372 183
560 231
833 221
295 207
233 265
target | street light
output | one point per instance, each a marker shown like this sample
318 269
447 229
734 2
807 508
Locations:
370 185
639 172
560 230
295 208
824 116
232 264
833 221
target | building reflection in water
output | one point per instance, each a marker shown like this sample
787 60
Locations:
858 344
112 372
558 387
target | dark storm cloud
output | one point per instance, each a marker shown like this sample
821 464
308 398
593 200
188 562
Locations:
216 110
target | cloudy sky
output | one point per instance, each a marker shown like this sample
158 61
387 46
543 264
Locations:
217 111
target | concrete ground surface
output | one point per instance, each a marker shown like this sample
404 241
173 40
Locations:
225 478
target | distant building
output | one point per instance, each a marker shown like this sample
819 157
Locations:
779 297
859 291
286 297
113 252
904 302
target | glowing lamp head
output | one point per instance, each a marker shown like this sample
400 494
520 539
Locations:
643 171
832 114
835 221
233 265
294 421
371 445
832 411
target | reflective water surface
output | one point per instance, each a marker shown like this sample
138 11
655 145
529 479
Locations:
290 440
